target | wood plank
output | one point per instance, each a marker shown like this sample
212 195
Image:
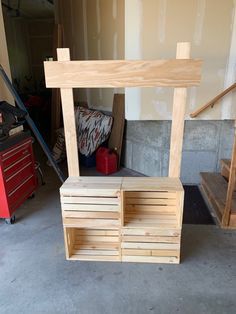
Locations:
150 246
151 259
165 210
91 187
232 221
145 225
231 184
97 246
95 252
145 217
216 187
90 200
94 232
151 202
178 114
90 207
136 221
134 252
91 215
89 238
99 258
67 100
122 73
118 114
151 232
225 167
151 185
146 238
91 223
211 202
141 196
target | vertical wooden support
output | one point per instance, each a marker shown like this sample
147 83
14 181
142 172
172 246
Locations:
231 185
178 114
67 100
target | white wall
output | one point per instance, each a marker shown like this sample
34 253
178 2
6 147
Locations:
152 29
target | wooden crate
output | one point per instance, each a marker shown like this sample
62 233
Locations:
92 244
153 245
91 212
152 220
122 219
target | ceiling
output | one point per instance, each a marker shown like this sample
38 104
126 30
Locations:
30 8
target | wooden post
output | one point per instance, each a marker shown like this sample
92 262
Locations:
178 114
67 100
231 185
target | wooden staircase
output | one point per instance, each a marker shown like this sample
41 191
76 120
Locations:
216 189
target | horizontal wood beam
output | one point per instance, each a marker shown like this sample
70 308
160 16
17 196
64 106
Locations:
122 73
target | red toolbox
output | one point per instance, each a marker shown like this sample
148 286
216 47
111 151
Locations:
17 174
106 161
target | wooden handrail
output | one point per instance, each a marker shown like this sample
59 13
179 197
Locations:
213 101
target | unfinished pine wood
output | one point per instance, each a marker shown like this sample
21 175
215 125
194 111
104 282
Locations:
225 168
231 185
214 187
141 224
123 219
69 121
178 114
102 245
122 73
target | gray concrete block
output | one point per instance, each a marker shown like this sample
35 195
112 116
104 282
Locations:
227 135
165 163
205 143
146 160
195 162
154 133
201 135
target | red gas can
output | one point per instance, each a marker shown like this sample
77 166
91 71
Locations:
106 161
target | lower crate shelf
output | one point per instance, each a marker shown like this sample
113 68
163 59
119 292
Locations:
122 219
92 244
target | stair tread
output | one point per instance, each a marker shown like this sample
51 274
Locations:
217 187
226 163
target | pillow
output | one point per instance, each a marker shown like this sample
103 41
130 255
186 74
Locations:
93 128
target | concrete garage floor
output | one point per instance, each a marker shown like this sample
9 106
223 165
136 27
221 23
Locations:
36 278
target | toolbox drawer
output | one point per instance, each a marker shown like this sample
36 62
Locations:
21 192
19 164
17 152
18 177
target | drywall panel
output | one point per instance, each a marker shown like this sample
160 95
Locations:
152 29
93 29
4 61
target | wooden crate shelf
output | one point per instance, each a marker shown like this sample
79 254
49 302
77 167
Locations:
92 244
122 219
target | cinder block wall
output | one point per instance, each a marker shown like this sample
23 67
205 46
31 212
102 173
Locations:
146 147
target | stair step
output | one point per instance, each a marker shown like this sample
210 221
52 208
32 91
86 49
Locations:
225 167
215 189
